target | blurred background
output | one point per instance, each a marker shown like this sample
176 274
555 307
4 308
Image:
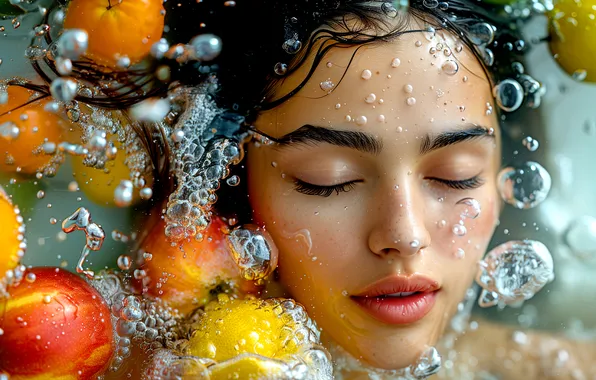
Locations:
565 126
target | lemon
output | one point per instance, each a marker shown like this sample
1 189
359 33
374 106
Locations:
572 31
231 327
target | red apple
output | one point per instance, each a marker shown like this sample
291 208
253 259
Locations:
190 274
54 326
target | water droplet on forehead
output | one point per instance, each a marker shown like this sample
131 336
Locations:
370 98
395 62
411 101
366 74
524 186
361 120
450 67
408 88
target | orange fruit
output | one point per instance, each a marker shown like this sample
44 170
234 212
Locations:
572 30
117 28
35 126
11 234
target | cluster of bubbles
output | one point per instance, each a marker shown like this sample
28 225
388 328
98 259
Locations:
141 321
198 171
514 272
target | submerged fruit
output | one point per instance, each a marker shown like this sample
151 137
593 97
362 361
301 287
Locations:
573 27
55 326
120 32
190 274
24 129
258 339
11 234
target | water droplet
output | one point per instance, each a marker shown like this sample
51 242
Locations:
580 75
370 98
233 180
470 208
408 88
292 45
460 253
419 43
30 277
366 74
206 47
123 193
450 67
146 193
124 262
530 143
415 244
514 272
395 62
509 95
253 251
63 89
41 194
9 131
482 33
399 129
525 186
381 118
64 66
427 364
459 230
337 106
72 44
53 221
327 85
160 48
411 101
361 120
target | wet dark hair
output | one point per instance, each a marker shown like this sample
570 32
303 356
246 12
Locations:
254 32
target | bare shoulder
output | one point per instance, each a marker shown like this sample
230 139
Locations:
509 353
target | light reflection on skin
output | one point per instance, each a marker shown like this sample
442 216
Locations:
364 234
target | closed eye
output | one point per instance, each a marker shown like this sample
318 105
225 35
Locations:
465 184
323 191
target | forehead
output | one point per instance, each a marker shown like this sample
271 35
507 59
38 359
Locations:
417 81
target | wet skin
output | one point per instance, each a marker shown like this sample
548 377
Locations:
350 203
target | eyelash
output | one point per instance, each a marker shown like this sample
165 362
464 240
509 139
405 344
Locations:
326 191
464 184
322 191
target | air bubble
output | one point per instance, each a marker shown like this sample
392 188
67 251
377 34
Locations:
530 143
509 95
63 89
206 47
72 44
525 186
280 68
233 180
123 193
124 262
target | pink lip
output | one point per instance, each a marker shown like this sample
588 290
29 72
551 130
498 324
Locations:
398 310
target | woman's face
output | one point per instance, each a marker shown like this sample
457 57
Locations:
362 198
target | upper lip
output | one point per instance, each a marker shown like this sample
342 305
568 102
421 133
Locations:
400 284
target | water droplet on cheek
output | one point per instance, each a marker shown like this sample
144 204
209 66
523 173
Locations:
450 67
459 230
411 101
396 62
408 88
366 74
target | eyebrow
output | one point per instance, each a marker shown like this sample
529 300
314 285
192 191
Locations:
448 138
311 135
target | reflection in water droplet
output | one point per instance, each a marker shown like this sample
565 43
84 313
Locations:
525 186
514 272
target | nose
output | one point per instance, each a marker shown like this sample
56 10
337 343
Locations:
398 223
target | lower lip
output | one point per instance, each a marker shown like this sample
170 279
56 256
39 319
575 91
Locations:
398 310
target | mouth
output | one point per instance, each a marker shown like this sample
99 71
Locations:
398 300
